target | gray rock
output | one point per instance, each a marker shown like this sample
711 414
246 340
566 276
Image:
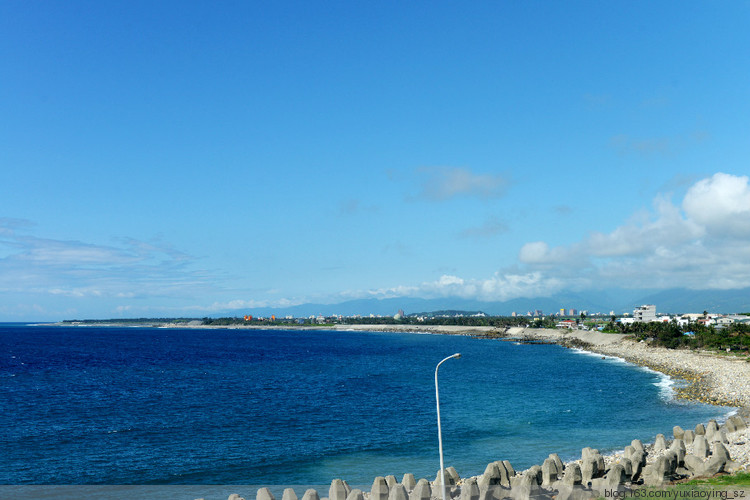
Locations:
536 472
355 494
379 489
712 426
694 464
677 432
572 475
398 492
390 480
504 475
235 496
719 436
678 447
525 485
337 490
739 422
660 444
491 476
408 481
656 474
700 430
289 494
688 437
700 446
589 470
311 494
421 491
672 462
453 473
509 468
615 476
549 472
730 426
713 466
558 462
636 443
265 494
638 466
719 450
627 466
469 490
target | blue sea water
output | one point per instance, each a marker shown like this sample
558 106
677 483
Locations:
91 405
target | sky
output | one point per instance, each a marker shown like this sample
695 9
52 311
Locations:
185 158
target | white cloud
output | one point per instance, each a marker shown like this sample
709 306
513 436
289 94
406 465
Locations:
706 244
702 243
721 204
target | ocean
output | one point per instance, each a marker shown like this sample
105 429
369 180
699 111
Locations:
148 406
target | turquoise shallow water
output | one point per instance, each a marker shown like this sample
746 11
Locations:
167 406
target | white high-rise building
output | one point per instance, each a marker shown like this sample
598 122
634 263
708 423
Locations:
645 313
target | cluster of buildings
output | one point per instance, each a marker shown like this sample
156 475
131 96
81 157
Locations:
647 313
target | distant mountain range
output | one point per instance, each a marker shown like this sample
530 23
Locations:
597 301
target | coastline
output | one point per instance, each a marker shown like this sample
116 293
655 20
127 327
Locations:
708 378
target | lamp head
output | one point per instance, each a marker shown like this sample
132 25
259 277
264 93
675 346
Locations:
457 355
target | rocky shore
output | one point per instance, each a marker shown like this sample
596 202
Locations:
705 451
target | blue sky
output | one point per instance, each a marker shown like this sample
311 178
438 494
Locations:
182 158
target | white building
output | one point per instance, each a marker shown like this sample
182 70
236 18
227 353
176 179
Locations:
645 313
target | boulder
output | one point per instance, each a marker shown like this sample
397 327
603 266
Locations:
660 444
656 474
572 475
688 437
398 492
421 491
589 470
694 464
739 422
700 430
558 462
712 427
390 480
265 494
310 494
337 490
549 472
700 446
525 485
536 472
719 450
235 496
408 481
678 447
379 489
678 432
504 475
355 494
713 466
289 494
627 466
469 490
636 443
509 468
492 476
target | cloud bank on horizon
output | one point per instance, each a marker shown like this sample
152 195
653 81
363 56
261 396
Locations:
703 242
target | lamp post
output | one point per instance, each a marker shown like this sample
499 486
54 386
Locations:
440 432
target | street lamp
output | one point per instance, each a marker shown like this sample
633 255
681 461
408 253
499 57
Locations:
440 432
